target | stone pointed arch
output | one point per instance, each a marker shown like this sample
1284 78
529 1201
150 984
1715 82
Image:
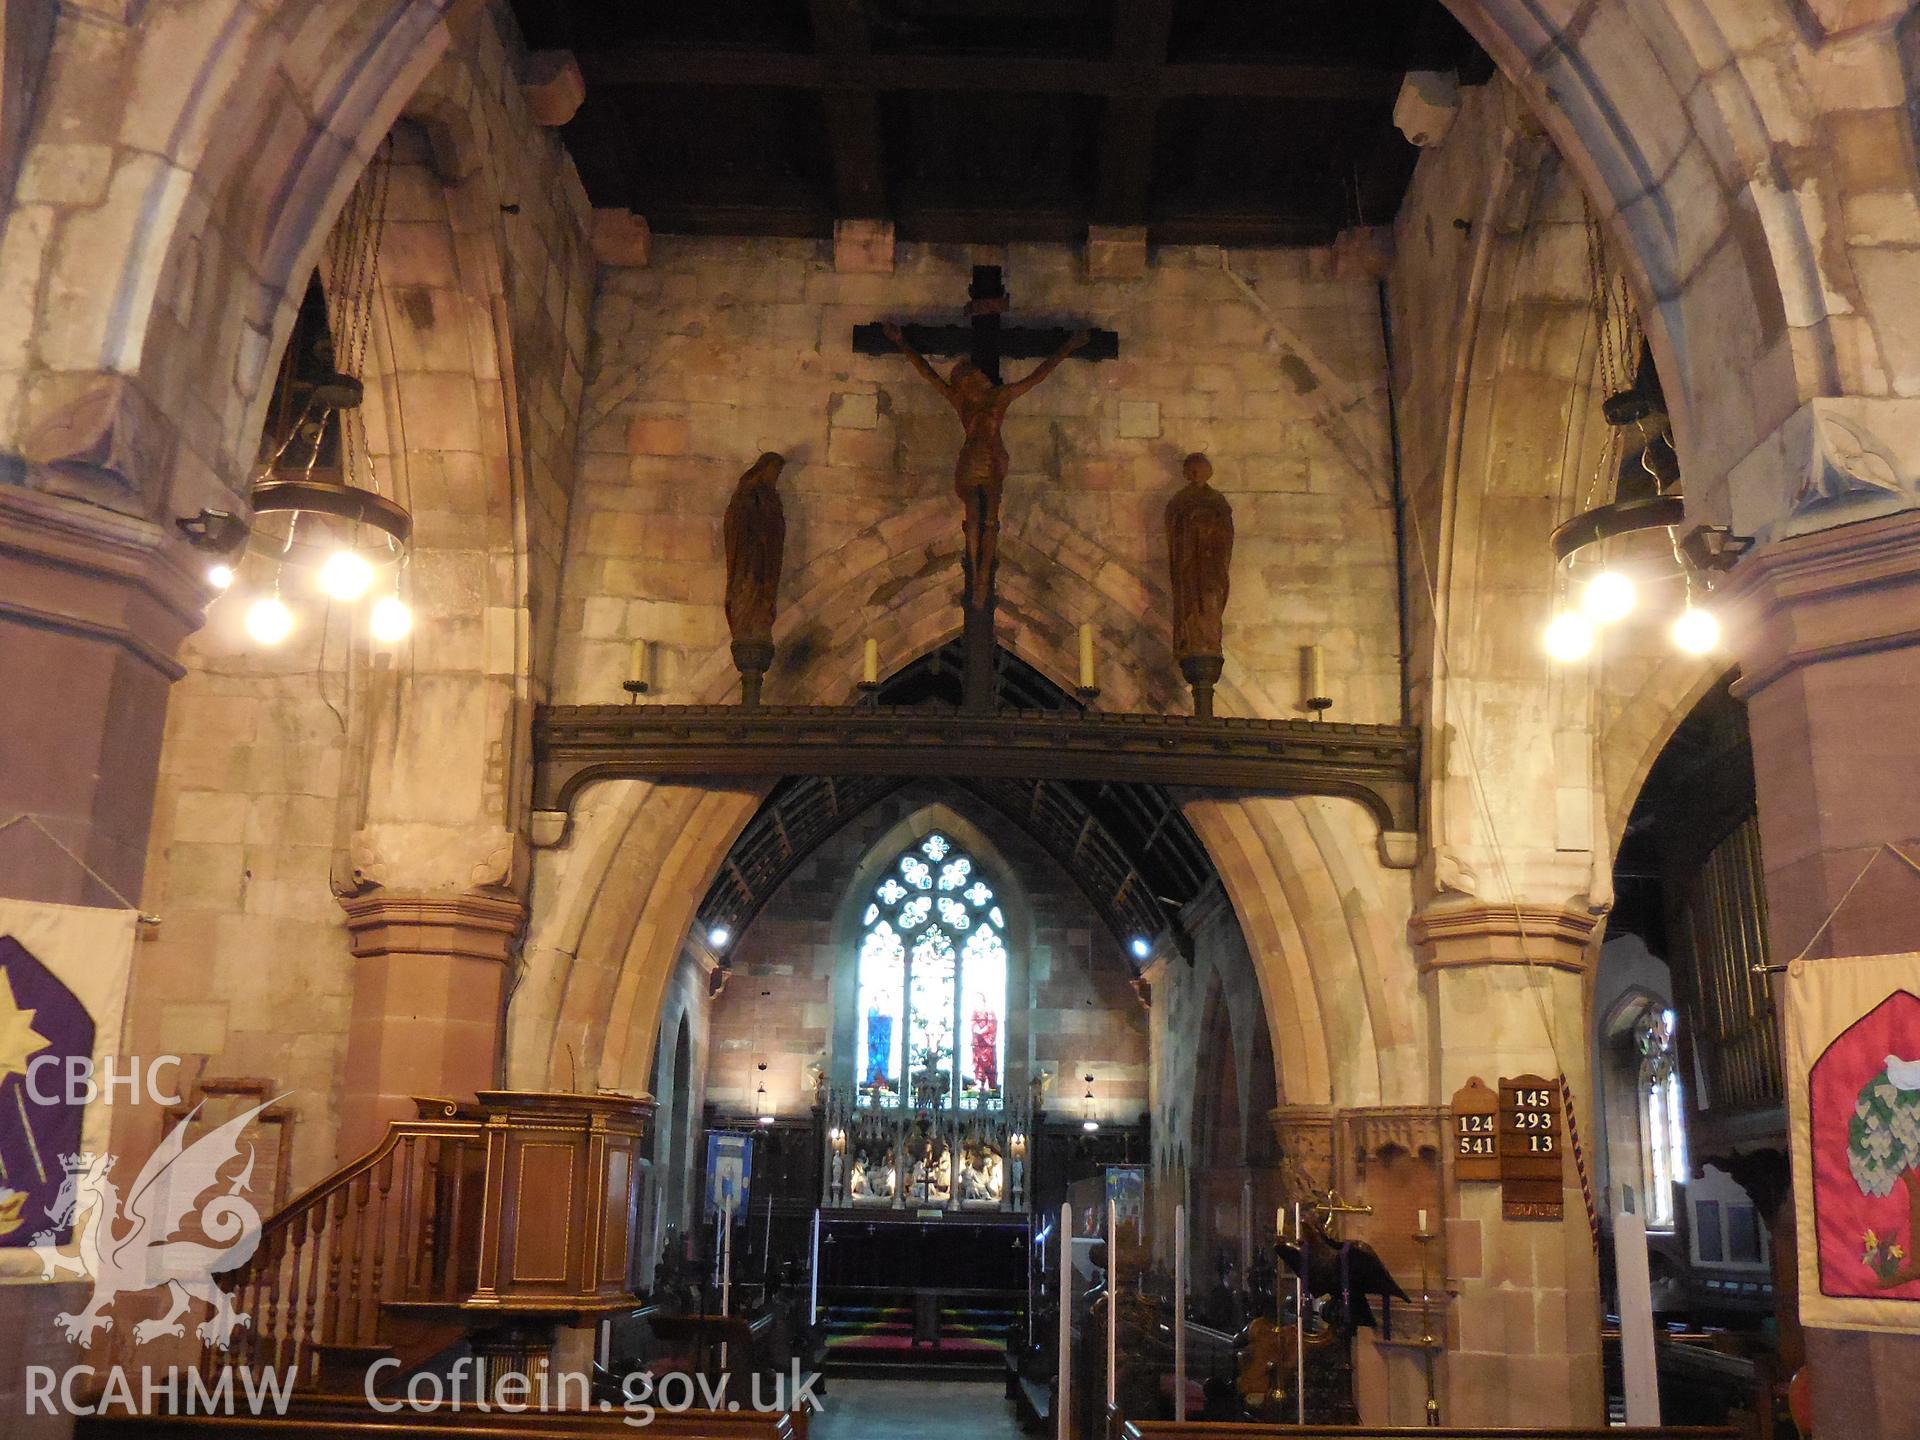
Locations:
158 313
1695 131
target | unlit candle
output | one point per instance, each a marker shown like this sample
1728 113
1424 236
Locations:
870 664
1086 657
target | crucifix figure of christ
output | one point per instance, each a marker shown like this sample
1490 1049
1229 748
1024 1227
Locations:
981 399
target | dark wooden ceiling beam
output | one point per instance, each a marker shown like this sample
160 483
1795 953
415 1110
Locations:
1125 177
733 69
844 47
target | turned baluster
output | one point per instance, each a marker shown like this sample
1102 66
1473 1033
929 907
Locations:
352 1323
410 1252
311 1241
333 1227
446 1259
265 1337
246 1301
383 1239
289 1332
430 1225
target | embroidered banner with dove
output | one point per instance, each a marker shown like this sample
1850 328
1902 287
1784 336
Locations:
1853 1068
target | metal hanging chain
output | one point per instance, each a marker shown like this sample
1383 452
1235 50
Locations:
355 264
1617 326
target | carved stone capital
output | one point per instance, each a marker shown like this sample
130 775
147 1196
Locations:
472 927
403 856
1559 936
1825 595
1305 1134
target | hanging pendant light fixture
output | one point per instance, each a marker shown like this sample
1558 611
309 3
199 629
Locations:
320 515
1645 492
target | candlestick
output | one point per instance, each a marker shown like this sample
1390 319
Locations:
639 669
1313 681
1087 681
870 664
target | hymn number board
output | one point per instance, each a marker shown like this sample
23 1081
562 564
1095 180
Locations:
1532 1141
1476 1132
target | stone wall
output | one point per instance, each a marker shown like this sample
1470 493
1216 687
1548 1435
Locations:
1077 1011
1268 361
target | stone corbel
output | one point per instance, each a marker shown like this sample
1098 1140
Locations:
1836 460
95 443
482 859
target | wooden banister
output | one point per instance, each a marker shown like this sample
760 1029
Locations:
515 1206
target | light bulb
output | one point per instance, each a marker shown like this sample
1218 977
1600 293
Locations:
1696 631
1608 597
390 620
1569 637
269 621
346 575
1089 1125
718 936
1141 949
219 576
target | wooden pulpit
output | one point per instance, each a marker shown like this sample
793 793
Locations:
562 1188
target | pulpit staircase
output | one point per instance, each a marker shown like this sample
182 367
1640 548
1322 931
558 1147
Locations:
485 1224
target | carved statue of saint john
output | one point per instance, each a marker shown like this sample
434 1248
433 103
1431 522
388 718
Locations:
1199 554
755 531
981 472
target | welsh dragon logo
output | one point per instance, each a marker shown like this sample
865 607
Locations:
129 1245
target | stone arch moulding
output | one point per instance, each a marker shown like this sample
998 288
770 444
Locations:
149 385
1724 263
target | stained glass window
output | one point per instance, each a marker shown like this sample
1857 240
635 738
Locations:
1665 1150
933 984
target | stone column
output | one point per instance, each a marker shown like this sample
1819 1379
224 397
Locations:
93 605
1506 990
1827 629
429 1001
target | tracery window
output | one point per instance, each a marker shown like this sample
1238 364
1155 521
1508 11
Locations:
932 983
1665 1151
